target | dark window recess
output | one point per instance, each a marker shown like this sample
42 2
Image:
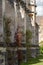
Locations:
11 2
1 61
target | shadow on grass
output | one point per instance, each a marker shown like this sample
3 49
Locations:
34 60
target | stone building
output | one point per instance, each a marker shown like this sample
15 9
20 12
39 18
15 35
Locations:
33 26
23 14
14 11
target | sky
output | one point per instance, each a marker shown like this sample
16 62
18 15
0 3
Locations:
39 8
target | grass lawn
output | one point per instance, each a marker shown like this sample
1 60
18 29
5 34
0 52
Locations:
35 61
41 63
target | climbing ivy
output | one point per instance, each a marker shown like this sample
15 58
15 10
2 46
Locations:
7 32
28 42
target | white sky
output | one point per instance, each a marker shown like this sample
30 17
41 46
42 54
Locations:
39 8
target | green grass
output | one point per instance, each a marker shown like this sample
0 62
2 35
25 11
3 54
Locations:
41 63
35 61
